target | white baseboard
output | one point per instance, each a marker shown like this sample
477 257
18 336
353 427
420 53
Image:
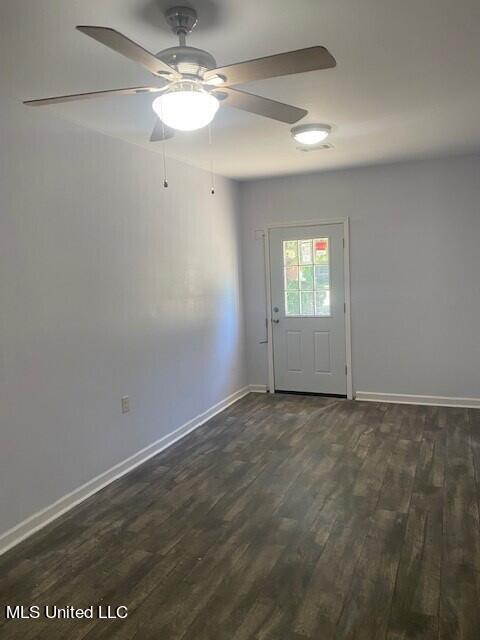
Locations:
257 388
40 519
402 398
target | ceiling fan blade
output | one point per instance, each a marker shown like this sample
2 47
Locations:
93 94
259 105
281 64
161 132
121 44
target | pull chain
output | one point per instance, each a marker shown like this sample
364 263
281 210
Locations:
165 181
212 174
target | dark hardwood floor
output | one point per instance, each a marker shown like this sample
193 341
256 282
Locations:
283 518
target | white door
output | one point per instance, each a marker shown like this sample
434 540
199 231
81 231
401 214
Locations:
308 308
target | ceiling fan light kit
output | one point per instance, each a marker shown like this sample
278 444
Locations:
186 106
310 134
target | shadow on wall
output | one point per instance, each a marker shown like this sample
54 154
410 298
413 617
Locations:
227 335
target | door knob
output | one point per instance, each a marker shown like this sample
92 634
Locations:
275 321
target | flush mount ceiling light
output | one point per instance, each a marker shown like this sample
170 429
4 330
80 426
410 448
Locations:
310 133
186 106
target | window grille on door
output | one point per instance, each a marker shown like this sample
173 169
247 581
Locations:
307 277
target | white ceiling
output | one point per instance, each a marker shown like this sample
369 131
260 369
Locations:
407 82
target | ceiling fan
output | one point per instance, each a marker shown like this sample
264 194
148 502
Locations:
190 84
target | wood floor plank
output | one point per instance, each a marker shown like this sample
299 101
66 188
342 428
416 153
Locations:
399 476
292 517
459 611
417 590
367 605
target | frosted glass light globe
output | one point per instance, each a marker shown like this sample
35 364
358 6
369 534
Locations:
311 137
186 108
309 134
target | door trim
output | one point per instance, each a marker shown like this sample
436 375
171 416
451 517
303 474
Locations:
346 275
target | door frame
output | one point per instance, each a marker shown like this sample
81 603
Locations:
346 275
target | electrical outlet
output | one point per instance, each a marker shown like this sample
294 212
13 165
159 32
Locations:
125 404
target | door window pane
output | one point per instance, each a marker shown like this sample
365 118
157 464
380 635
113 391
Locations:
307 277
322 277
306 303
292 303
322 303
291 278
290 252
321 251
306 253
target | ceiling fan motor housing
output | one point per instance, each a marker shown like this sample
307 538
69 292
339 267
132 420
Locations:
188 61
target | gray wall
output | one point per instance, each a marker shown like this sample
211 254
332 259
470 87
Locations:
415 269
109 286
